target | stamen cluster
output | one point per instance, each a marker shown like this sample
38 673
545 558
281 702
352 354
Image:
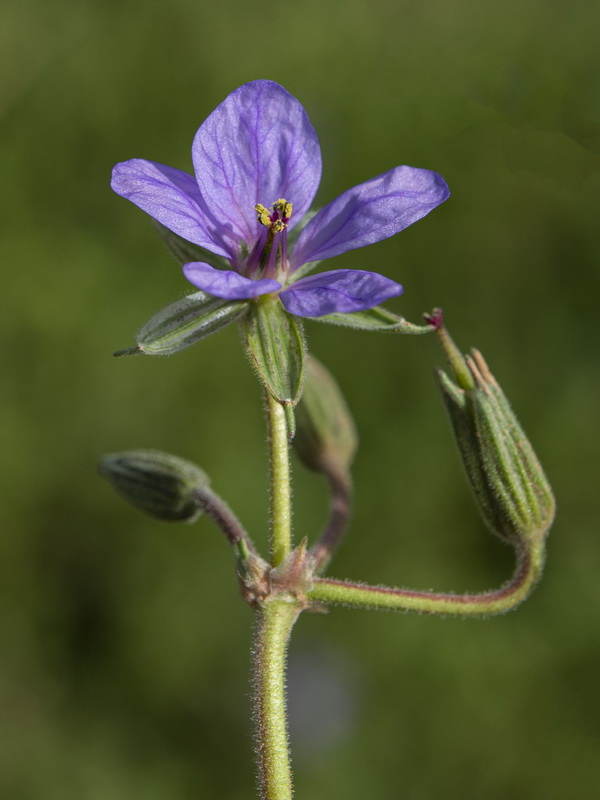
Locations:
266 260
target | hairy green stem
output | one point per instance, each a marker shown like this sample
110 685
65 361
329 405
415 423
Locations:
275 619
527 572
281 492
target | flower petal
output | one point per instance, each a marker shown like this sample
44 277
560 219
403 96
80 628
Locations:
256 147
227 283
170 196
370 212
344 290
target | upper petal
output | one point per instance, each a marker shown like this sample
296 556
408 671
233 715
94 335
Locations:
344 290
256 147
370 212
170 196
227 283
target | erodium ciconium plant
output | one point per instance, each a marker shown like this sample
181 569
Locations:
244 233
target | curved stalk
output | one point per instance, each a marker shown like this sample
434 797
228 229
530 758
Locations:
527 572
223 517
340 485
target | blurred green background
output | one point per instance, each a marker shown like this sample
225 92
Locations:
125 649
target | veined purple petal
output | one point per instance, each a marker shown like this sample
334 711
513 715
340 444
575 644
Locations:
370 212
256 147
170 196
344 290
227 283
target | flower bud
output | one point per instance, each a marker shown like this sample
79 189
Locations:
510 487
325 435
162 485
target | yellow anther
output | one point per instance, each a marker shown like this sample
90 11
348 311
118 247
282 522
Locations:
284 208
263 215
278 226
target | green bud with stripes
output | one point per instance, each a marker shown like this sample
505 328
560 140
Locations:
512 492
162 485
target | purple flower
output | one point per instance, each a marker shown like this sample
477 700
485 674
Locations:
257 159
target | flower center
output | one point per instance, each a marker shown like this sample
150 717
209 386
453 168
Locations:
269 256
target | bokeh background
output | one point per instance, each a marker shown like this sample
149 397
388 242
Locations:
124 660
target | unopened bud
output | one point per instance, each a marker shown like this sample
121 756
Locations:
162 485
510 487
325 435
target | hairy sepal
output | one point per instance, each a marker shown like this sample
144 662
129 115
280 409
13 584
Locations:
377 319
275 345
186 322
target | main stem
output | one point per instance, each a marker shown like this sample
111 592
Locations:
274 622
281 491
275 617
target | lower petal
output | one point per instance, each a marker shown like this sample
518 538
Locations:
227 283
341 290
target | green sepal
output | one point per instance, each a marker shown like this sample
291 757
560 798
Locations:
184 323
515 473
186 252
466 438
377 319
275 345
